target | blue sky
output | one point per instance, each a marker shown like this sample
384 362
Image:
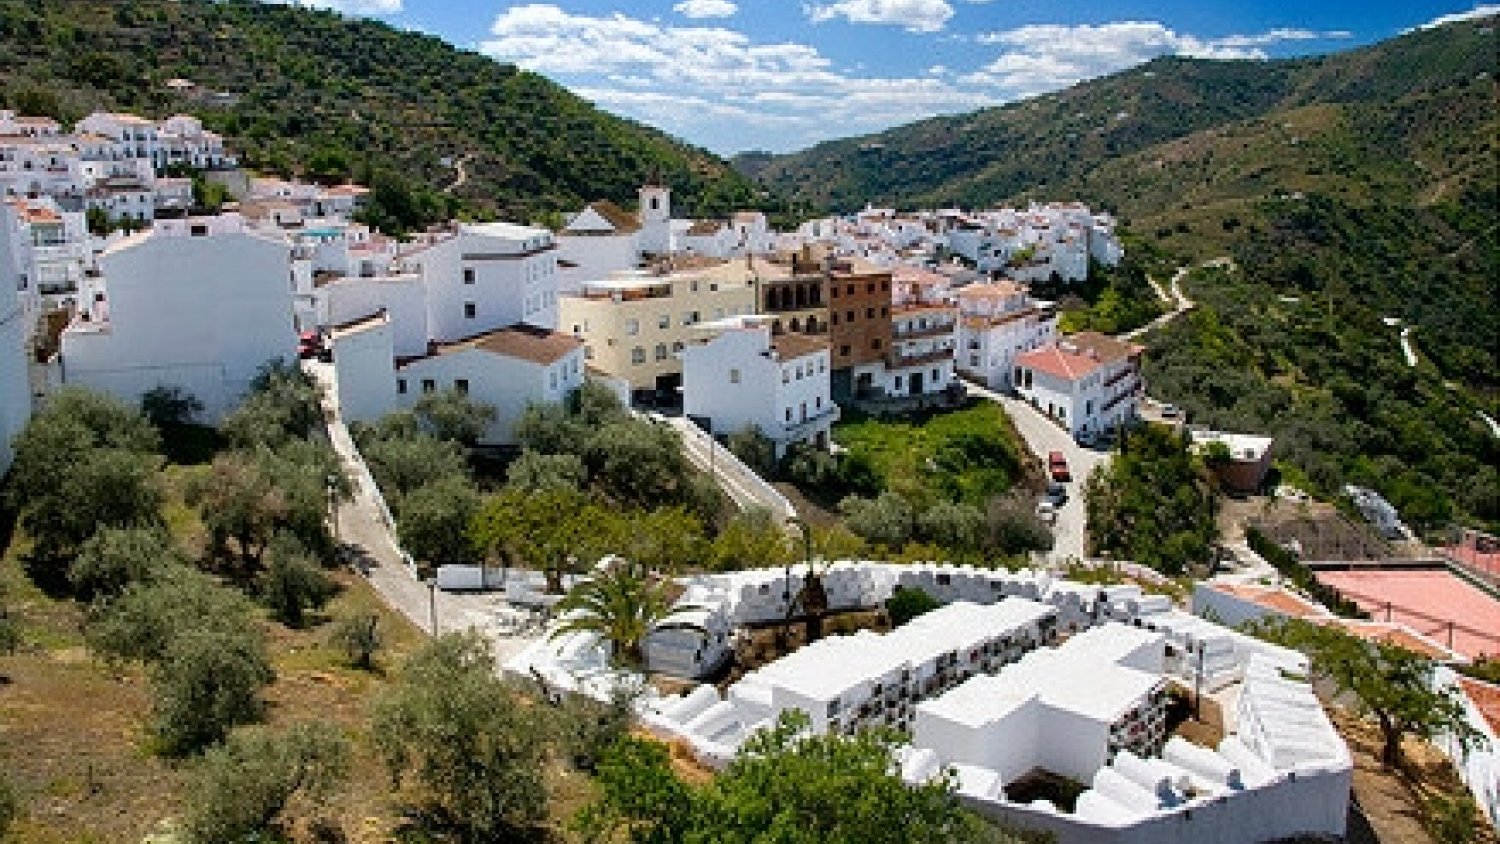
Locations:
733 75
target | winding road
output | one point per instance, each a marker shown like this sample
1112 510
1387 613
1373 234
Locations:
1173 297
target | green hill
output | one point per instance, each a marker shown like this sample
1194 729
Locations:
1348 189
328 97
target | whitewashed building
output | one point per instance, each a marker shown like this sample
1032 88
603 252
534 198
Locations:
507 368
485 276
997 322
15 388
924 334
200 304
743 377
1087 383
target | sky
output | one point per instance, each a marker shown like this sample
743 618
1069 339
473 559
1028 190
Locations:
781 75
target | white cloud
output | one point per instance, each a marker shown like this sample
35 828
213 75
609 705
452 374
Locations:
1046 57
708 80
354 7
1483 11
705 8
913 15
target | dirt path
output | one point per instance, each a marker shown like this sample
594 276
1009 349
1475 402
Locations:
460 173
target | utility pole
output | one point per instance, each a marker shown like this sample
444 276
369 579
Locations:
432 605
333 511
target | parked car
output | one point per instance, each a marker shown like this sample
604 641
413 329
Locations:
1046 512
1057 467
309 344
1057 494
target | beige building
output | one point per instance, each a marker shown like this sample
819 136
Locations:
633 324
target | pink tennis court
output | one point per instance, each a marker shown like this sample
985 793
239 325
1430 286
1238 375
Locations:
1430 601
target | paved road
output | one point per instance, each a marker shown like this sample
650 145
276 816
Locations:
369 541
741 484
1043 436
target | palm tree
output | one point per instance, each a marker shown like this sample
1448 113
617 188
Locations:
618 603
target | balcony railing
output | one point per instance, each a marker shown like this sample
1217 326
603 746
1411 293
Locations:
930 331
898 361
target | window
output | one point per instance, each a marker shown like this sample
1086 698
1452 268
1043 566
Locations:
885 284
844 350
898 383
664 321
870 288
875 344
461 386
850 290
661 351
632 327
789 414
469 310
818 402
429 385
638 355
822 364
400 386
678 346
833 292
869 313
786 376
734 376
468 275
848 316
588 352
834 318
885 311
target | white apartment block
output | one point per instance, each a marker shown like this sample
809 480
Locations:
742 377
15 386
1087 383
508 368
200 304
997 322
924 334
486 276
1034 244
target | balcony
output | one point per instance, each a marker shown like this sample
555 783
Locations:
811 425
913 333
900 361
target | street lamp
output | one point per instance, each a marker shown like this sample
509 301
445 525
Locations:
332 483
432 605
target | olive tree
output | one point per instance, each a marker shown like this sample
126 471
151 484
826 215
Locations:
243 790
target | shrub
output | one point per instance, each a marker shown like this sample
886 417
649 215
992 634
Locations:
358 638
240 792
906 604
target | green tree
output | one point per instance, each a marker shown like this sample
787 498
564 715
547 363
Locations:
433 522
284 404
785 786
537 472
1012 526
115 558
887 521
164 405
1388 684
1155 503
621 603
549 428
293 582
451 415
358 638
752 539
667 539
586 728
472 744
754 449
207 681
404 459
957 527
244 790
557 532
635 462
906 604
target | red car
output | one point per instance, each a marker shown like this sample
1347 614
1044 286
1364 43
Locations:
309 344
1057 467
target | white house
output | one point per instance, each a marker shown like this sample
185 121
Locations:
744 377
484 276
199 304
924 333
15 388
1087 383
997 322
601 239
507 368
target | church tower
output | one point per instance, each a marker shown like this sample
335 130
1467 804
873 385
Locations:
656 217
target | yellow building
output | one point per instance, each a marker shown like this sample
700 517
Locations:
633 324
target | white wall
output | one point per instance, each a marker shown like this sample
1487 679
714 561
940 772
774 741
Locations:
366 372
766 390
508 383
404 298
595 257
512 284
15 391
200 313
1479 768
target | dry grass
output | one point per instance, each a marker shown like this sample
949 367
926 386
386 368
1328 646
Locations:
1392 800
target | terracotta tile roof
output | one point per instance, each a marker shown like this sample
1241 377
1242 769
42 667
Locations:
524 342
703 228
1486 698
623 221
1272 598
993 290
793 346
1077 356
1395 634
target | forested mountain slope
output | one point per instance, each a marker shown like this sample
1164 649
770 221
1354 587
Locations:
328 97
